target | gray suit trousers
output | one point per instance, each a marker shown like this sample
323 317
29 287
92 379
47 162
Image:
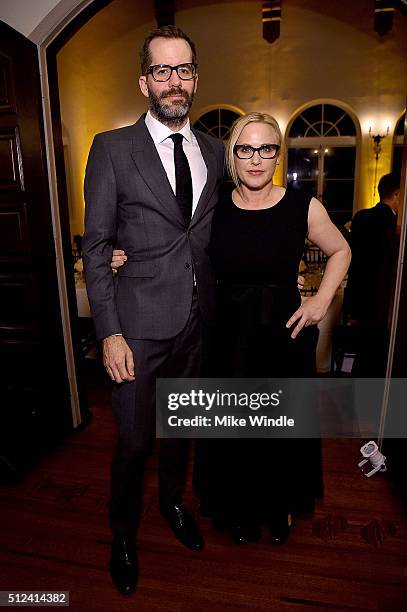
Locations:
134 407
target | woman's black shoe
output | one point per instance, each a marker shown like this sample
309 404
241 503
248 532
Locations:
279 530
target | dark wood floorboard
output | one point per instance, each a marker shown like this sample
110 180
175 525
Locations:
350 556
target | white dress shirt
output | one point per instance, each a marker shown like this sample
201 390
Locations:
165 147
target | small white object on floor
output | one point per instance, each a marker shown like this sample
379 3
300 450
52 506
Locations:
370 450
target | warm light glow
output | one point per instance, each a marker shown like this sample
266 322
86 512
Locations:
282 122
124 123
326 150
367 170
385 125
315 150
378 125
368 125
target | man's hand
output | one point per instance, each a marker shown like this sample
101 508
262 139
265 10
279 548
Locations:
118 259
118 359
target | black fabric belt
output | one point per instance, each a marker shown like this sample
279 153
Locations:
265 293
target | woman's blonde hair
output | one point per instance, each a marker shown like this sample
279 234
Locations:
235 132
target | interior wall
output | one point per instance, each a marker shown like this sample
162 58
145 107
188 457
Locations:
324 51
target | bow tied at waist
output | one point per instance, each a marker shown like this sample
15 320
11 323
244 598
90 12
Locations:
270 297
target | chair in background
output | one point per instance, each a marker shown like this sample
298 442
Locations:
309 291
314 255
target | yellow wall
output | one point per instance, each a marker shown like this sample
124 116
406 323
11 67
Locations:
327 50
98 72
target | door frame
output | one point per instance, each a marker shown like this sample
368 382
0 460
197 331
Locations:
397 342
49 36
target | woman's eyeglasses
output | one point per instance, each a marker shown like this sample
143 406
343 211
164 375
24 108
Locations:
266 151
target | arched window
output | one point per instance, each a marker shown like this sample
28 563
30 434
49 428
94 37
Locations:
321 157
217 122
398 145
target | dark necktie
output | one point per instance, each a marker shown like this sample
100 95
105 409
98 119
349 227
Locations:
183 179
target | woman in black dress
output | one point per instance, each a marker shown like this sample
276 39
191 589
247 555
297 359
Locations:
264 329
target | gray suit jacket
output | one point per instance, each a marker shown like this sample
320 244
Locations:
130 204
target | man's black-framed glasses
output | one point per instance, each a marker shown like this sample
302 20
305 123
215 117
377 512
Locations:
266 151
163 72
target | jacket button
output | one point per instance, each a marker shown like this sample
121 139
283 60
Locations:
187 266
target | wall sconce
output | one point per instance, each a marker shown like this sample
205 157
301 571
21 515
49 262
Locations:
377 148
377 140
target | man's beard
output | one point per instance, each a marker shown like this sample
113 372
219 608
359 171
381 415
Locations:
173 113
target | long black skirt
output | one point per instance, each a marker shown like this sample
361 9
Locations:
258 478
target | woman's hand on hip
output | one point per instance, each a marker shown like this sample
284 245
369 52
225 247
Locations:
312 311
118 259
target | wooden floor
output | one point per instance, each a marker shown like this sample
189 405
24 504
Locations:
351 555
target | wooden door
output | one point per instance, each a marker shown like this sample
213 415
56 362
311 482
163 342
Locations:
34 393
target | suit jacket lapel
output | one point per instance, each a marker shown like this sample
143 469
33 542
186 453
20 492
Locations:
209 157
148 162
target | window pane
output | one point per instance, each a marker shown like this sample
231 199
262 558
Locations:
224 132
217 122
330 129
298 128
339 162
315 130
209 119
346 126
332 113
228 116
214 131
338 195
303 162
310 186
313 114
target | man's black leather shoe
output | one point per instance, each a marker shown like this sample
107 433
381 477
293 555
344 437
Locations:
242 533
124 566
184 526
279 530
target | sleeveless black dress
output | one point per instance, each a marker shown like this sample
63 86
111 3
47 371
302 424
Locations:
256 255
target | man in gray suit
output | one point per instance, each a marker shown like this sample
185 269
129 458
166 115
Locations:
150 189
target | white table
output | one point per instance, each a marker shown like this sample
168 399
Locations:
333 317
82 302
